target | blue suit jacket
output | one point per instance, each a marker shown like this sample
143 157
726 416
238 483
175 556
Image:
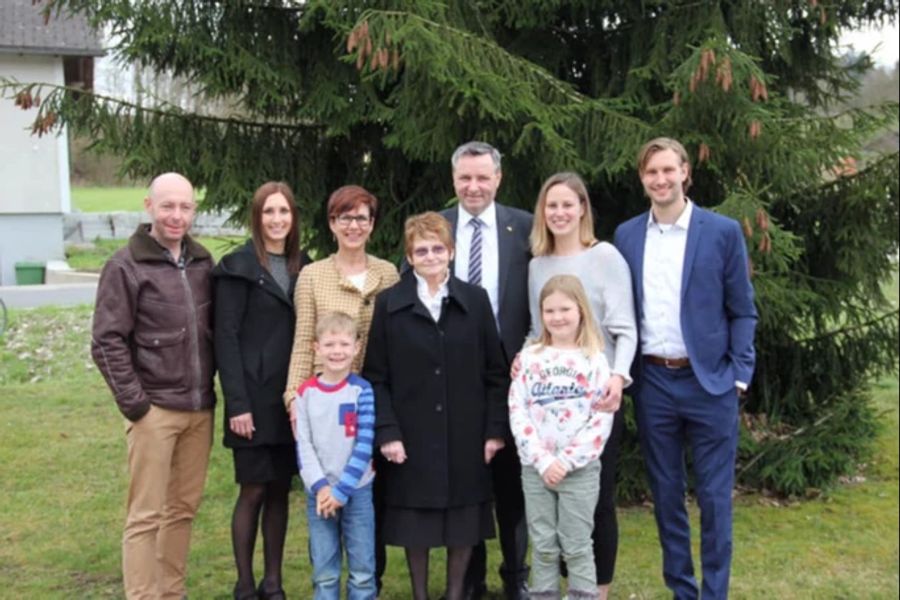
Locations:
718 316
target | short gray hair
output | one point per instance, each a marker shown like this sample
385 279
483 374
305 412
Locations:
476 148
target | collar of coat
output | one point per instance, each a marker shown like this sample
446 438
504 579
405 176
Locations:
406 294
244 264
146 249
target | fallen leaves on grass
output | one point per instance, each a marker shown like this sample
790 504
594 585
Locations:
46 344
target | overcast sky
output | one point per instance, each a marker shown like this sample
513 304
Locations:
884 38
881 43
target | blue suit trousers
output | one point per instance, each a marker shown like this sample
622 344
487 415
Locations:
674 413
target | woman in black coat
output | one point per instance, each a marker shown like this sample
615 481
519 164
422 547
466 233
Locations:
440 380
254 332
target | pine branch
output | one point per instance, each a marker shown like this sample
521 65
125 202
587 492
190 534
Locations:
844 331
785 438
10 88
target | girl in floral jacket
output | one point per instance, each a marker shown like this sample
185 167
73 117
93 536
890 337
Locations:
560 434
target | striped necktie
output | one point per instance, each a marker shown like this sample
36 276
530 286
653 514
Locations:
475 252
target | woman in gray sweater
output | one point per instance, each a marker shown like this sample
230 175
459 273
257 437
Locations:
563 242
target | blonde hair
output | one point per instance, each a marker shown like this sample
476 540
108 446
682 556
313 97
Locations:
659 144
587 338
542 240
336 322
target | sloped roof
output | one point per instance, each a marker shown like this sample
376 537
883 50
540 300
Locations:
22 31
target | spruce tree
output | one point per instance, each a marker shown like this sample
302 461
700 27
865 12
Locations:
329 92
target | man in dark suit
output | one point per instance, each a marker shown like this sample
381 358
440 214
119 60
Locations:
493 250
697 319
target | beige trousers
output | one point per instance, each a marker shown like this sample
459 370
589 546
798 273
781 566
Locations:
168 453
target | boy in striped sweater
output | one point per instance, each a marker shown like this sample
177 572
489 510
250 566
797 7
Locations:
335 420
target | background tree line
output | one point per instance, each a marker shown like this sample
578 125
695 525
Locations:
323 93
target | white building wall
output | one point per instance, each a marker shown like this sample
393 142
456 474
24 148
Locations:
30 166
34 171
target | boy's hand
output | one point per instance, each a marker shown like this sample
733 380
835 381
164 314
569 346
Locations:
555 473
322 496
331 505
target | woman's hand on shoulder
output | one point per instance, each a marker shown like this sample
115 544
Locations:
516 366
242 425
394 452
612 396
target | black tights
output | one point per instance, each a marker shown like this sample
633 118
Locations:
270 499
606 527
457 561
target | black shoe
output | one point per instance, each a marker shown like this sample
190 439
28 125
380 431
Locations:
519 591
262 594
243 593
475 592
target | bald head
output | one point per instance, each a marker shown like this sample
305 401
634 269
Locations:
171 206
169 182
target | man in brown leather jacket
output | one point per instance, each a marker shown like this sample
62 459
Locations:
152 342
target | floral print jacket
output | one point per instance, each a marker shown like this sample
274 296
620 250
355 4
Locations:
552 407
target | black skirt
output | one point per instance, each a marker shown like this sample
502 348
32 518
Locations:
438 527
262 464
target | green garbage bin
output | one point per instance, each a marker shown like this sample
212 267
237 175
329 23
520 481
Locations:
29 273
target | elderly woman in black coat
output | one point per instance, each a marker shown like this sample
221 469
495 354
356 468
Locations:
254 332
440 379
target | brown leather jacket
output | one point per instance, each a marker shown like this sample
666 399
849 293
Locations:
152 331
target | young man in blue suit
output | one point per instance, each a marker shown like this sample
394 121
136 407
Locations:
697 319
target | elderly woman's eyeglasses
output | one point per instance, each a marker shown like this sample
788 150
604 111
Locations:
347 220
437 250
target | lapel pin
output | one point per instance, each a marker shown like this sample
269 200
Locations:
509 227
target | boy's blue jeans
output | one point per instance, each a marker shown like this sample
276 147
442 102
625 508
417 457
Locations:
353 530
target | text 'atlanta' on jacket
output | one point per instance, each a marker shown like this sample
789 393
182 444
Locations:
552 407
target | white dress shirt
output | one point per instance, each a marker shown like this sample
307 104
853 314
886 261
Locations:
432 303
664 248
490 259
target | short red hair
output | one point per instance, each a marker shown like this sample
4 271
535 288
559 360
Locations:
348 197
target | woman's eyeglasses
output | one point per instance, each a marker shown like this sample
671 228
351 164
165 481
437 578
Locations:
437 250
347 220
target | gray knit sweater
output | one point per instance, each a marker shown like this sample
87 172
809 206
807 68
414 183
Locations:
607 281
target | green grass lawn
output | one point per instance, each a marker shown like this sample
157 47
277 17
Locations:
83 258
108 199
111 199
63 476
